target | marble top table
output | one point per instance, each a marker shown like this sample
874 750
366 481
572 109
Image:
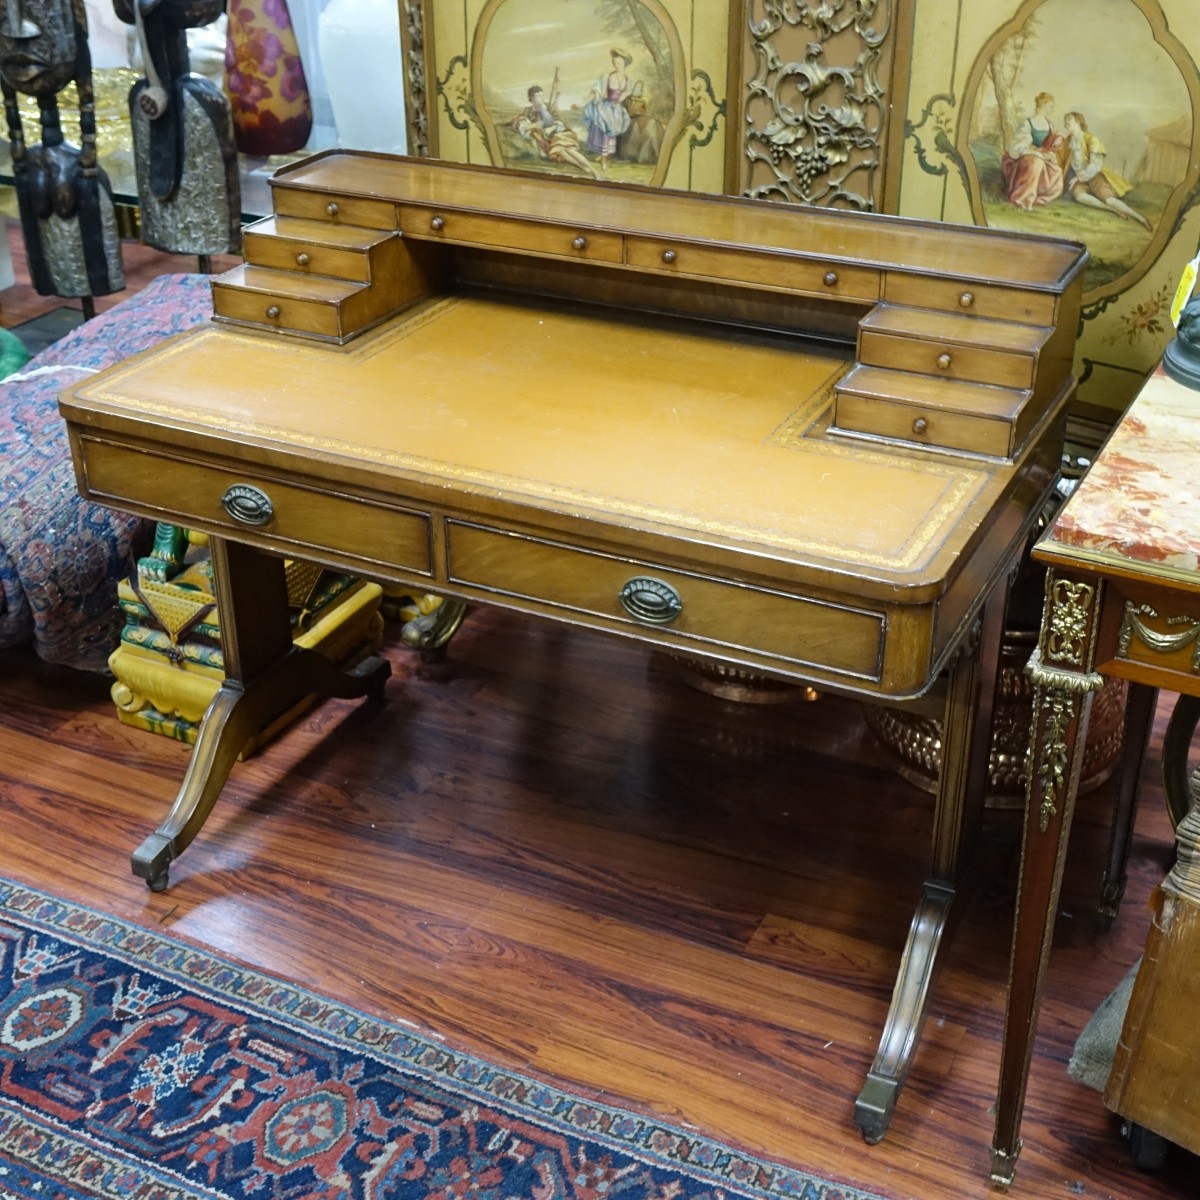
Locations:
1122 599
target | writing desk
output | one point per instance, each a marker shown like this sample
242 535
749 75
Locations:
1122 599
806 443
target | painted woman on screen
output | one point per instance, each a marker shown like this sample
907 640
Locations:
605 113
1032 165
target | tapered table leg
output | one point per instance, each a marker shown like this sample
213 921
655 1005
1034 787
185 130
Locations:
966 736
265 676
1064 683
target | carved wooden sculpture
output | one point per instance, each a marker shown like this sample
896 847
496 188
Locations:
187 175
65 201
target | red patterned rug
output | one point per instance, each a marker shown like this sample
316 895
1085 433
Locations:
138 1067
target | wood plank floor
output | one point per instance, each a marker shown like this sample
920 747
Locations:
551 852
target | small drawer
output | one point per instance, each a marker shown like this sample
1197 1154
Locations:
341 210
286 255
276 312
188 492
475 229
840 281
923 426
683 608
979 300
947 360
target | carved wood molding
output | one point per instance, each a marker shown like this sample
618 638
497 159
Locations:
412 44
814 103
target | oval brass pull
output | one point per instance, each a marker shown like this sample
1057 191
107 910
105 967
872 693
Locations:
437 224
247 504
920 425
331 208
966 300
302 260
580 243
668 256
272 312
830 278
943 362
650 600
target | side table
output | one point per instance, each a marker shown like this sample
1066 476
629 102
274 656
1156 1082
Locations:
1122 599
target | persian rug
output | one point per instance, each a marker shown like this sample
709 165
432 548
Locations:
136 1066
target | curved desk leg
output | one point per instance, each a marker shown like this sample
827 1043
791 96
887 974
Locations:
1064 683
1177 741
958 809
1139 715
266 675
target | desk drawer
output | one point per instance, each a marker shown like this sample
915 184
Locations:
839 280
474 229
343 210
980 300
186 492
276 311
712 614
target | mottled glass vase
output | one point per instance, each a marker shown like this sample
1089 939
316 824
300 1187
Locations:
268 94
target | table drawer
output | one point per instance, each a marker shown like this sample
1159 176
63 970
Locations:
838 280
1004 368
187 492
287 254
343 210
475 229
925 426
277 311
981 300
712 613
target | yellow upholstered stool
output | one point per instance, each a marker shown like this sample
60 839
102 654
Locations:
169 665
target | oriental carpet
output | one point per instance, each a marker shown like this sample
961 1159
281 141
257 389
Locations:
137 1066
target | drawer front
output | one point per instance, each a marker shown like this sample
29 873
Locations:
186 491
474 229
923 426
978 363
794 631
986 300
839 280
284 254
343 210
276 312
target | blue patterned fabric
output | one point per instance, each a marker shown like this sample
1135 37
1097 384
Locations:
60 556
135 1066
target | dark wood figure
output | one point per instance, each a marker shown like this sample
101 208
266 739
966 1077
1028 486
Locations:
187 172
64 198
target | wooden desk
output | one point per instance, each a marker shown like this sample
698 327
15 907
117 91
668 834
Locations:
807 443
1122 599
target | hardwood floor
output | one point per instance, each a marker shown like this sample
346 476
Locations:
550 851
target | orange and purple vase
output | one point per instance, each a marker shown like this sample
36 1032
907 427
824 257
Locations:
268 94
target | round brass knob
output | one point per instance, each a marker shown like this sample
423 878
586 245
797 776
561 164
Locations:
273 312
437 224
830 278
668 256
302 260
920 425
332 209
966 300
943 362
580 243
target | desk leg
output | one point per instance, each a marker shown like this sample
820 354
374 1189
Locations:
967 725
1064 682
265 676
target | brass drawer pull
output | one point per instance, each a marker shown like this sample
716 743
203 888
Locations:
943 362
302 260
668 256
830 278
966 300
437 224
650 600
272 312
247 504
919 426
580 243
332 209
